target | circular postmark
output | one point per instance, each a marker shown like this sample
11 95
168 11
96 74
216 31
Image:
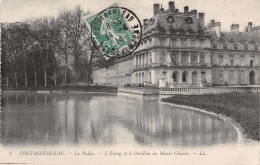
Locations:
116 31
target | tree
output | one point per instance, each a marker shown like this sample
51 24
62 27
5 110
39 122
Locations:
64 24
11 45
44 40
74 31
25 44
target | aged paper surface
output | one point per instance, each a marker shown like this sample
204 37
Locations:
130 82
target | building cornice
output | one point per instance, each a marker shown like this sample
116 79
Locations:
172 48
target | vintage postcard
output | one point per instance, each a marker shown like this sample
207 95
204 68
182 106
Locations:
130 82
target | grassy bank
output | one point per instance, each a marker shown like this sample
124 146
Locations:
92 88
242 107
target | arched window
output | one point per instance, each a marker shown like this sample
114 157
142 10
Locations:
175 76
203 77
184 76
252 78
194 78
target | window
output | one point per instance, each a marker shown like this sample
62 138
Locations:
143 61
242 60
184 76
151 59
175 76
220 59
150 77
194 57
193 42
231 76
136 57
232 60
176 42
174 57
202 58
201 42
203 77
252 61
162 57
184 42
221 76
184 57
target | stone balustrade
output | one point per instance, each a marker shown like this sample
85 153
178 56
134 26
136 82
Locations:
185 91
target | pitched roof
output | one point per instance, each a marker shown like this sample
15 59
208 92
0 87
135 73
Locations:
169 21
242 36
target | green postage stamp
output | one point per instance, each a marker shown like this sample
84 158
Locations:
115 31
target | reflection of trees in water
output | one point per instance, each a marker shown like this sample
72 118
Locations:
80 119
34 118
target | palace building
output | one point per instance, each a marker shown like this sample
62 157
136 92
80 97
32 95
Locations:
179 50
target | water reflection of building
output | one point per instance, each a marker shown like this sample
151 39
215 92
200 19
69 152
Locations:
179 49
157 124
47 119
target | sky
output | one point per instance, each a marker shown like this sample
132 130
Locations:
224 11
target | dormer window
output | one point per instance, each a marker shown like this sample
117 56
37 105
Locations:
193 42
201 42
241 46
219 45
176 42
258 46
250 46
184 42
230 45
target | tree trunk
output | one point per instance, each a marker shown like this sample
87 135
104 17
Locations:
7 81
55 78
15 77
54 71
89 66
88 74
45 76
66 64
25 77
35 78
65 74
35 74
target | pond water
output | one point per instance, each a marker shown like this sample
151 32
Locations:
104 119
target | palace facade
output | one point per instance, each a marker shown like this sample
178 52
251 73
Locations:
178 49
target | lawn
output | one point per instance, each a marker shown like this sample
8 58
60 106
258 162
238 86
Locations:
242 107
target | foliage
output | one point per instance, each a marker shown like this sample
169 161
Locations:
46 51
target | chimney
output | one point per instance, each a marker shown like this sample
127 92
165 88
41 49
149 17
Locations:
161 10
201 20
249 27
171 7
156 8
186 9
217 28
194 12
212 22
235 28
